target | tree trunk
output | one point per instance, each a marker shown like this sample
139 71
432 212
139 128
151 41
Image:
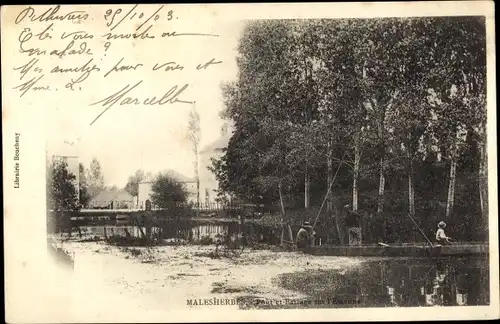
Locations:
357 159
198 191
144 236
381 187
306 189
139 226
411 191
290 233
329 179
338 225
330 202
127 233
451 188
197 180
381 138
483 179
280 191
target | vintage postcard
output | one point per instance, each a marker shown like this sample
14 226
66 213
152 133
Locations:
250 162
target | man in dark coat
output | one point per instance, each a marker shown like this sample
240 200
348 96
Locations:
304 235
352 218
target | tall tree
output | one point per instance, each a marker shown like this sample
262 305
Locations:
408 118
62 194
61 188
84 186
95 178
262 96
194 136
457 80
266 103
305 63
380 59
342 76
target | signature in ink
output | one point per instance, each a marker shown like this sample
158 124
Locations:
123 98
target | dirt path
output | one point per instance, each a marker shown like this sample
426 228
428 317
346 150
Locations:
107 275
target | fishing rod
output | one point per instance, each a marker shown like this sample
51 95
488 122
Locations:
430 243
329 189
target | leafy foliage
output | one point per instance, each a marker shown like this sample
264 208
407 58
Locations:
403 96
132 186
95 178
166 191
194 137
61 188
84 187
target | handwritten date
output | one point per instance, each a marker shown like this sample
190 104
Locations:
116 17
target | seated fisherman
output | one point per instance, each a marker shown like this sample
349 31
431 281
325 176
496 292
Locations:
441 237
304 235
352 218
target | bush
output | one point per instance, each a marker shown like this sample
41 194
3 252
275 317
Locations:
132 241
135 252
206 240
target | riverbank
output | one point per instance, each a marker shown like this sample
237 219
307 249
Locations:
176 277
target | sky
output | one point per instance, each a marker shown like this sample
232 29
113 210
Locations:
127 138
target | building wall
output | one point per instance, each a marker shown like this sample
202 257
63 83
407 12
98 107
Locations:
144 194
208 182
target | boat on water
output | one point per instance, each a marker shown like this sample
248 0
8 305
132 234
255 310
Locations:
402 250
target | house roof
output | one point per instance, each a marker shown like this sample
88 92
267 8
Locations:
108 195
218 145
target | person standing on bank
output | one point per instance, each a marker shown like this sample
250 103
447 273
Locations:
441 237
304 235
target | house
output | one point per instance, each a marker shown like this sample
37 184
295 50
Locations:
208 183
112 199
145 186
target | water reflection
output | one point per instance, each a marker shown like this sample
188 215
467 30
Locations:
210 230
190 231
398 283
106 231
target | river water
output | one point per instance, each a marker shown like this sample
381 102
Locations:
396 282
376 283
189 231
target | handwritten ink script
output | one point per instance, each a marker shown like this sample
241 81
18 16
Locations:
63 50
